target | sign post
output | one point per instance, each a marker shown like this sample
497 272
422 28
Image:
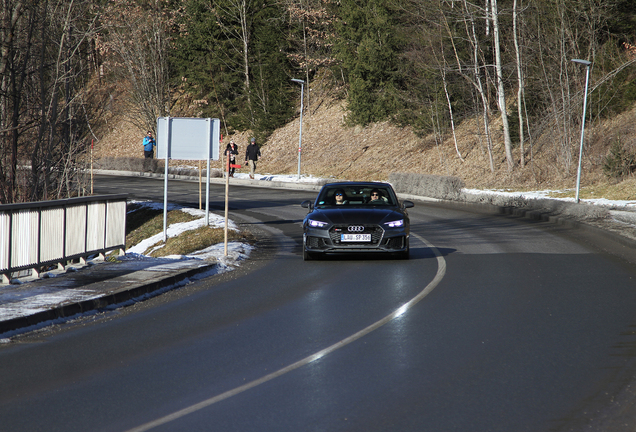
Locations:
187 139
228 165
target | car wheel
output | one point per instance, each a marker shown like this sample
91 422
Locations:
306 255
405 254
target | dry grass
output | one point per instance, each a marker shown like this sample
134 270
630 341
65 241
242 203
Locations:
623 191
198 239
143 222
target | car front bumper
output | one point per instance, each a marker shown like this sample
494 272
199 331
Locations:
329 240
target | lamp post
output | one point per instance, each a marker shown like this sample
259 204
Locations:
587 78
300 135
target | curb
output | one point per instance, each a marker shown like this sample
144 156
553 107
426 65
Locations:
130 292
263 182
536 215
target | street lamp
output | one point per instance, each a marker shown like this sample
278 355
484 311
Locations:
587 78
300 135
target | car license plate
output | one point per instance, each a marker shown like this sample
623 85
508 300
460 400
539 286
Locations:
355 237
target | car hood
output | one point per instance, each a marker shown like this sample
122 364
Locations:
372 215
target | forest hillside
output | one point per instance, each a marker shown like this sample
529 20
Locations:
492 91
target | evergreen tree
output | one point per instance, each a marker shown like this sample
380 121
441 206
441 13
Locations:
272 90
231 53
368 46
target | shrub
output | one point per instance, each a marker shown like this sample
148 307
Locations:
620 162
433 186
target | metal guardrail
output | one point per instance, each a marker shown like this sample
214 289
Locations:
39 235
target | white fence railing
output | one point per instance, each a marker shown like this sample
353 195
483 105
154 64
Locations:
41 234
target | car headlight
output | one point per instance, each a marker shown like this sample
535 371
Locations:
395 224
316 224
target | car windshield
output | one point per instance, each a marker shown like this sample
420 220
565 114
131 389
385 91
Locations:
361 195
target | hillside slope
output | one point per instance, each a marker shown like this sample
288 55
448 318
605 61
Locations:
331 149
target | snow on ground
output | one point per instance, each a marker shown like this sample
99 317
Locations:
174 230
236 251
542 194
546 194
288 178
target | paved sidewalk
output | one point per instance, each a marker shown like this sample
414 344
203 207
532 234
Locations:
94 286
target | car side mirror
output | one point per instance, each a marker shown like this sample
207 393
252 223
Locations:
307 204
407 204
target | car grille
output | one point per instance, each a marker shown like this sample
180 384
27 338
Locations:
375 230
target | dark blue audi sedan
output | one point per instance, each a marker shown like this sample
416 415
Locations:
356 217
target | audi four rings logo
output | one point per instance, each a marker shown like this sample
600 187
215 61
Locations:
356 228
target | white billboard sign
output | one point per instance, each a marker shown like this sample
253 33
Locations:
188 138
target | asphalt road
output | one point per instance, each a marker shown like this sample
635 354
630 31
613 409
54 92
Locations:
494 324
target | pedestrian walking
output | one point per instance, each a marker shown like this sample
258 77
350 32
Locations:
252 153
231 150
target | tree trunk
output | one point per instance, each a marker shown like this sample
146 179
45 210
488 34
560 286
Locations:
474 41
245 39
520 83
500 86
450 113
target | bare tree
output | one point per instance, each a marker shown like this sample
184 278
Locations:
501 93
43 70
443 68
9 15
312 51
476 80
234 17
520 80
12 72
136 43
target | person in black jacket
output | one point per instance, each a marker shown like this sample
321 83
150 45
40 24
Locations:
252 153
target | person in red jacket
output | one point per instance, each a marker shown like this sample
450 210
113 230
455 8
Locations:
230 152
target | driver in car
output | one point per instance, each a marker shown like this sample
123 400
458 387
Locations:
377 197
340 197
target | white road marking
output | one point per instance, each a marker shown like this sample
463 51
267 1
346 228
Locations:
441 271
